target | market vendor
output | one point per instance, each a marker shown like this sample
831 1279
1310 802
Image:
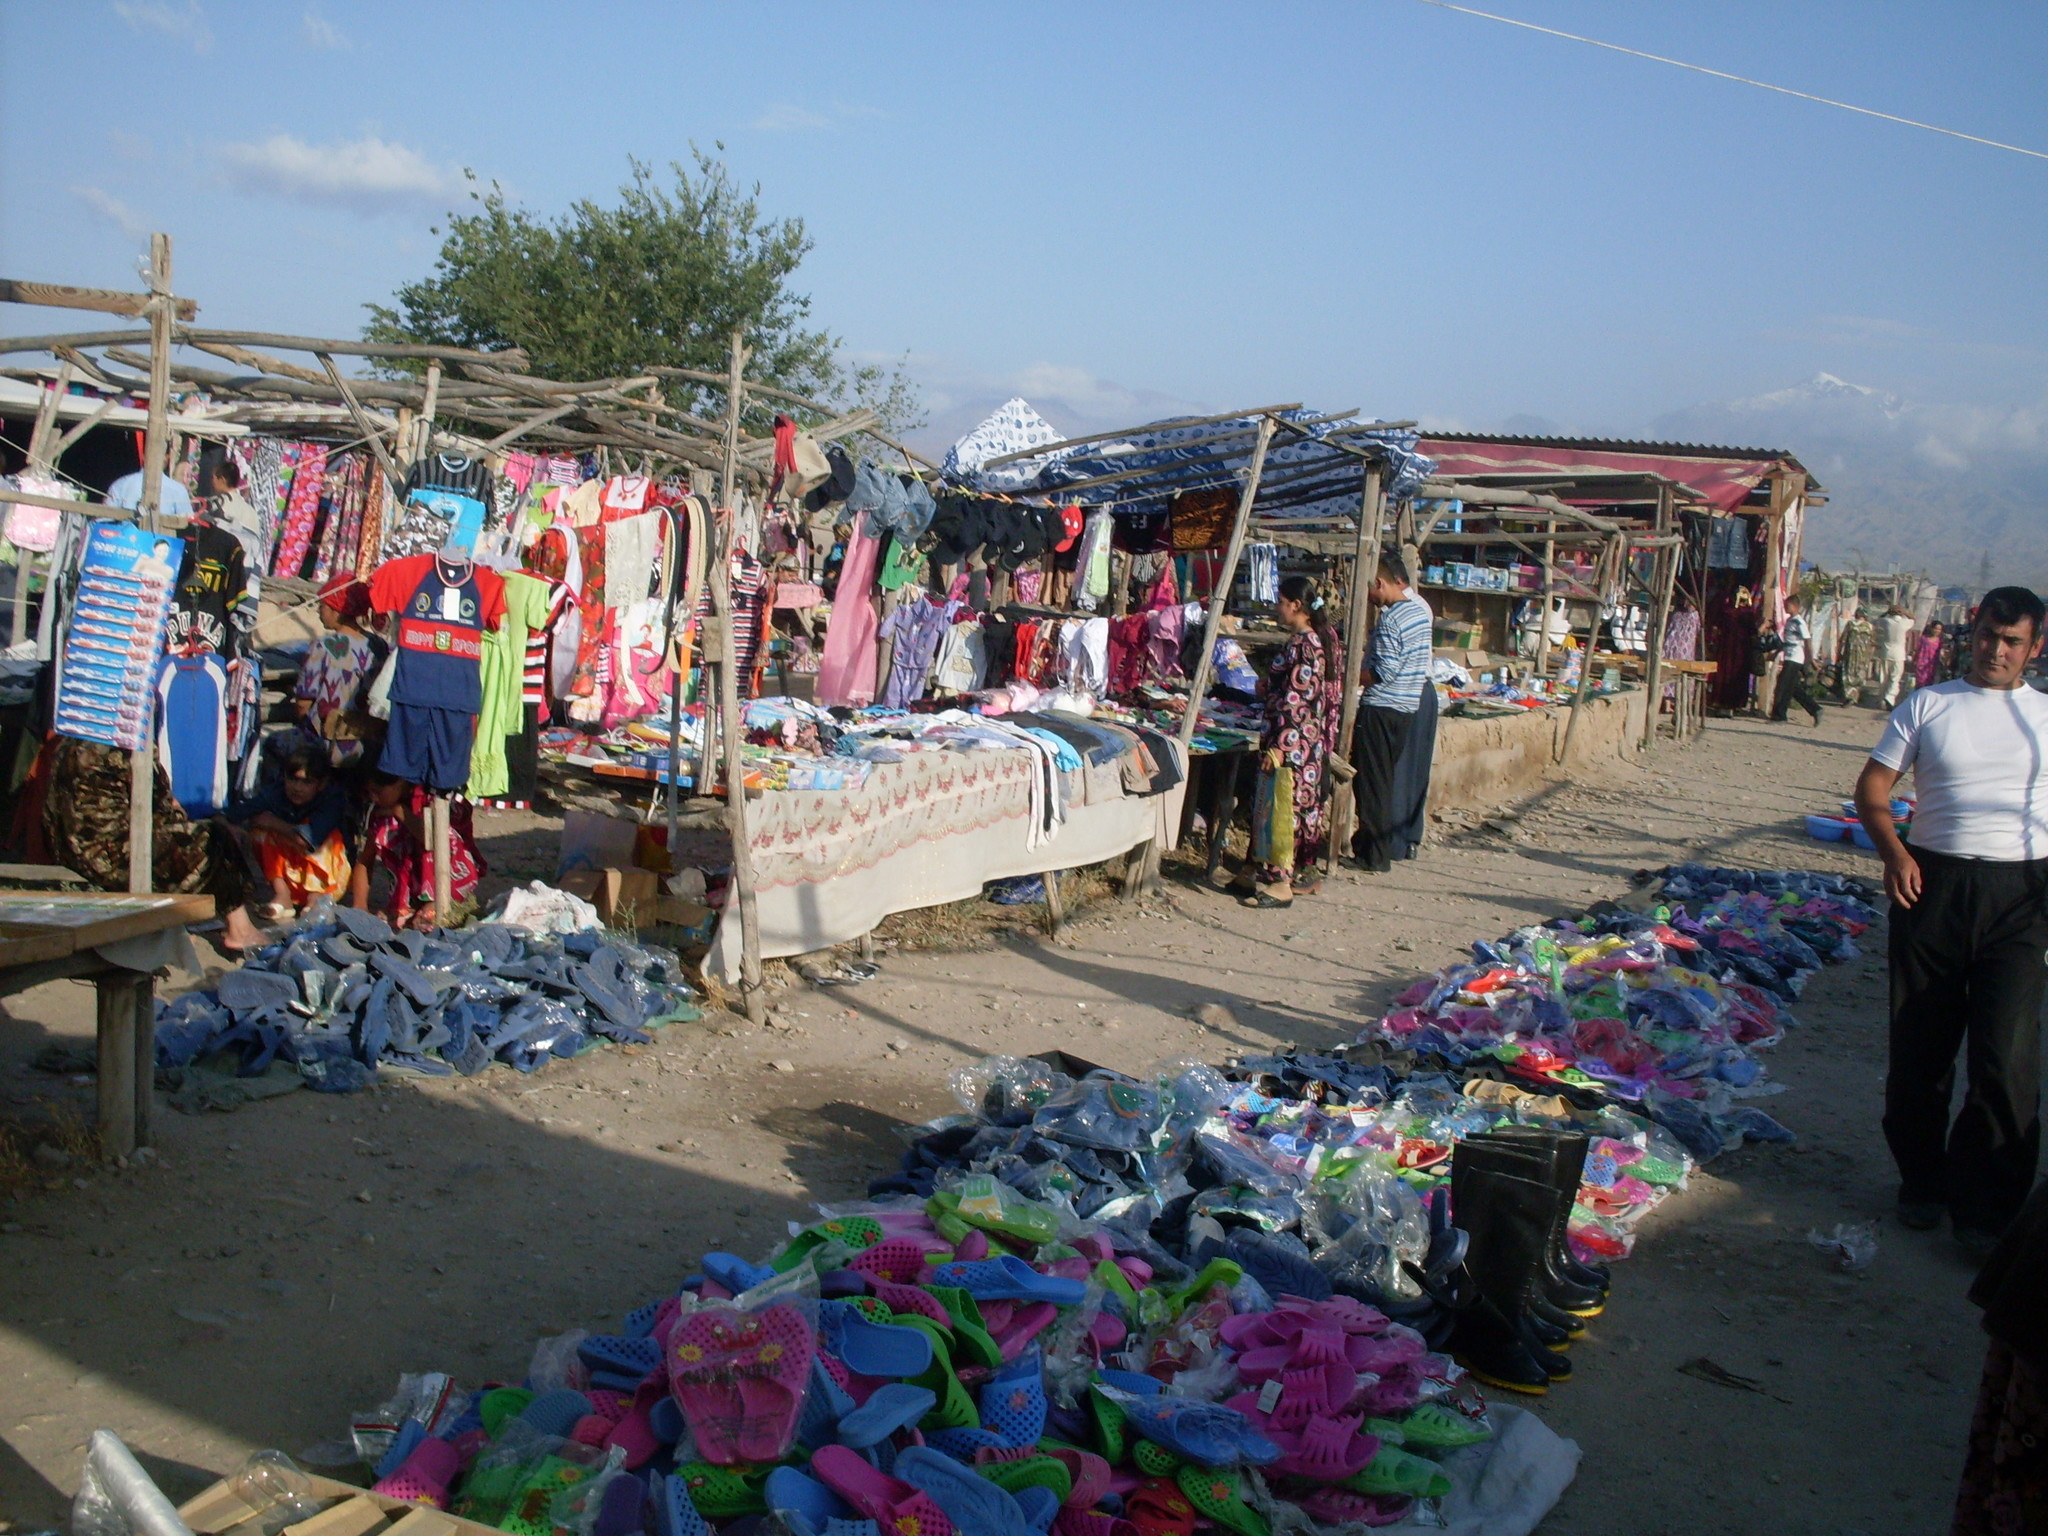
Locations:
1396 672
395 840
294 831
1290 821
1969 925
331 697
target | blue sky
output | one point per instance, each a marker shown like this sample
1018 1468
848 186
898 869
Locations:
1377 203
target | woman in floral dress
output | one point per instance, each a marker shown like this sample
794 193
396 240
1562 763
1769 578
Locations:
1290 823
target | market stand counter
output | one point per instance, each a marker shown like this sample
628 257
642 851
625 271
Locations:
831 864
117 943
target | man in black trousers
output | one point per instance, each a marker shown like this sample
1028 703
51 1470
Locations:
1969 927
1396 671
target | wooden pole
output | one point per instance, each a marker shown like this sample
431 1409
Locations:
428 402
743 903
155 443
1205 663
1608 562
117 1009
1544 599
1666 574
437 810
1365 560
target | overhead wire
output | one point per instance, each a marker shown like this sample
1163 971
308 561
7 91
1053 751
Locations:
1722 74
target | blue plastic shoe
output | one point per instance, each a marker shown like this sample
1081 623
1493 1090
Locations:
961 1444
1279 1261
555 1413
1207 1433
872 1349
969 1500
895 1405
1013 1401
1040 1504
790 1492
734 1272
674 1514
626 1357
1009 1278
403 1444
825 1404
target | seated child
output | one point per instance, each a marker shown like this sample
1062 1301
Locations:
395 839
294 830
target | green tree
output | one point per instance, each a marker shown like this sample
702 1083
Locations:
659 279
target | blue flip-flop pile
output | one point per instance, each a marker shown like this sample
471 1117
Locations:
344 996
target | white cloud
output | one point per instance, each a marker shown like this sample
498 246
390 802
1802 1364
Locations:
786 117
318 32
113 211
187 24
369 174
1072 398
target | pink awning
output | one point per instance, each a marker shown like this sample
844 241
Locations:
1717 479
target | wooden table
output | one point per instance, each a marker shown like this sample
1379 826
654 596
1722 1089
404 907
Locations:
1689 681
46 936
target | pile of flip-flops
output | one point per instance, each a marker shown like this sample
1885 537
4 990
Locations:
975 1363
344 996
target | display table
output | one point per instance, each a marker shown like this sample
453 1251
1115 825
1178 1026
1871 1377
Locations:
114 942
831 864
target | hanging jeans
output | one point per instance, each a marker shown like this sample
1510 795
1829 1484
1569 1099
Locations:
1967 974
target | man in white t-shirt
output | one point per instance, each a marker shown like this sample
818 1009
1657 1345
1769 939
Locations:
1894 652
1969 926
1793 664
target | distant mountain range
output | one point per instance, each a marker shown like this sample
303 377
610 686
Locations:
1927 488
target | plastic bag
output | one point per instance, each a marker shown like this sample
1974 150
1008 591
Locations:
1853 1244
1005 1090
556 1363
428 1396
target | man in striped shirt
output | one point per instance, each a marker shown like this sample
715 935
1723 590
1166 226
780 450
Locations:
1396 671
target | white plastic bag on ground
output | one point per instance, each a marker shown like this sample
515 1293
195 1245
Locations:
540 908
1507 1485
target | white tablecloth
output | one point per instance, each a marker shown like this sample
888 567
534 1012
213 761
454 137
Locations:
831 864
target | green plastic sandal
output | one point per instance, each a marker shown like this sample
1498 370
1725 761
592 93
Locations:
971 1338
1216 1272
1029 1472
1219 1498
724 1493
855 1232
1155 1460
1396 1471
986 1202
1437 1427
954 1407
500 1404
1109 1420
531 1511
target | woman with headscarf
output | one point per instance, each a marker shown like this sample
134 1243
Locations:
1290 821
1927 656
332 694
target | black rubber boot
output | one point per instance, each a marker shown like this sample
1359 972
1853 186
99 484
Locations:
1541 1161
1568 1171
1508 1218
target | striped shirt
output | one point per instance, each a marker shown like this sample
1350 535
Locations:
1399 656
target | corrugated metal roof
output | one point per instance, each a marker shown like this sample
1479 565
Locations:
1614 445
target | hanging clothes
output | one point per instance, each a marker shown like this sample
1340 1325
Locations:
847 674
302 511
444 608
192 730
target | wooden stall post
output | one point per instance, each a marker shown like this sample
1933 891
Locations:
1666 574
743 904
1544 599
417 450
155 443
116 999
1365 560
1609 563
1205 663
437 811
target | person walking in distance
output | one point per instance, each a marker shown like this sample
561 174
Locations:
1792 665
1396 672
1969 926
1895 653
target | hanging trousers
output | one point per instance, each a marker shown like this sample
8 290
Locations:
1376 743
1969 961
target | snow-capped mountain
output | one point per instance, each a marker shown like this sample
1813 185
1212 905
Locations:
1917 486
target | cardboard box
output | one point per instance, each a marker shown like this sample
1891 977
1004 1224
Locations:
217 1510
611 888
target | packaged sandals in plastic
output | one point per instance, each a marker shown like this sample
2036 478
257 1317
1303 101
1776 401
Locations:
740 1370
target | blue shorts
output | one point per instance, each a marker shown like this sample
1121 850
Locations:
429 746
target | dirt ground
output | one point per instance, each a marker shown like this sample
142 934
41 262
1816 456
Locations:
274 1269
